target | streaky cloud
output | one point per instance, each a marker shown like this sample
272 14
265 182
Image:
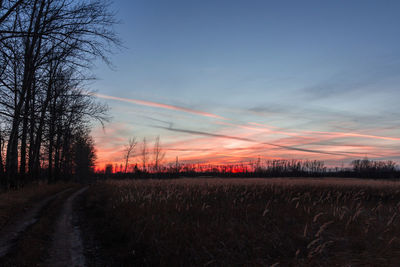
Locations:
169 123
344 134
252 141
348 82
159 105
189 149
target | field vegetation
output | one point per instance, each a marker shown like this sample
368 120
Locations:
247 222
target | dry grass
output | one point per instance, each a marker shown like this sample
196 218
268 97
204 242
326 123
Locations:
13 203
224 222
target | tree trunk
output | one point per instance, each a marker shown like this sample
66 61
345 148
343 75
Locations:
24 136
51 139
57 155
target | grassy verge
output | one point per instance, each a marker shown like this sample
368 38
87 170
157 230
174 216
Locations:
248 222
13 203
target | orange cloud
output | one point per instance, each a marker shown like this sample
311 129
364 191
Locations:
343 134
160 105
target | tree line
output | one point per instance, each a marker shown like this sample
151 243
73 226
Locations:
46 52
371 169
150 163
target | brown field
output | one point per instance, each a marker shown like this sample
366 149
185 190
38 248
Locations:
247 222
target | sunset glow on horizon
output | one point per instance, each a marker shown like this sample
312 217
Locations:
235 143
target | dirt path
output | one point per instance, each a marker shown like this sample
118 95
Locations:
67 246
10 233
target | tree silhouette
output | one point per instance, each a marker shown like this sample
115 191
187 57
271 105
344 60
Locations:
144 153
158 154
84 156
130 147
46 50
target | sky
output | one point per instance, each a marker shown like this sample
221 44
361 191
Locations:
232 81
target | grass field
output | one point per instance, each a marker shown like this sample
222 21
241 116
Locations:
231 222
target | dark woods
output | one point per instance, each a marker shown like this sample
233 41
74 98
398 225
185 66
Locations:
46 50
371 169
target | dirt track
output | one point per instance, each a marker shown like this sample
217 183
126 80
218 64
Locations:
61 245
10 234
67 248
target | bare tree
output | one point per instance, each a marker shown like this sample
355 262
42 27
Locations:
46 48
158 154
177 165
130 147
144 153
7 7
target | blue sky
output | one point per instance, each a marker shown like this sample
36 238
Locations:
296 66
